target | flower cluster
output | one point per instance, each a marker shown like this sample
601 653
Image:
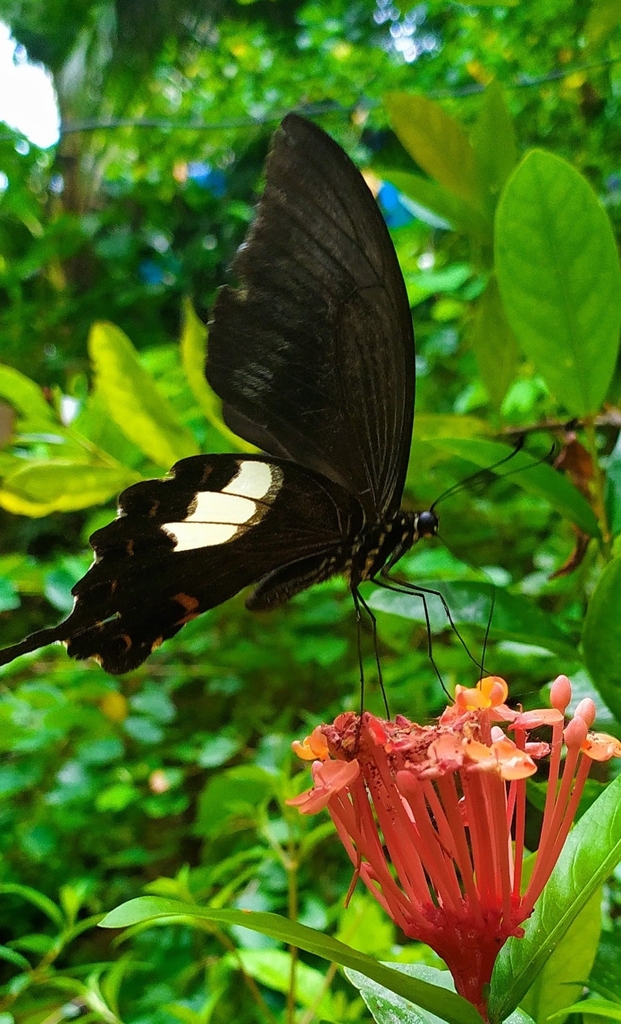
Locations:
433 817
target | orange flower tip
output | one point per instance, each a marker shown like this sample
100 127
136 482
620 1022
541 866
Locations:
313 747
502 757
519 767
560 693
490 692
601 747
575 732
540 716
329 778
586 709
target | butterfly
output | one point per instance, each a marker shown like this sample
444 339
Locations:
312 356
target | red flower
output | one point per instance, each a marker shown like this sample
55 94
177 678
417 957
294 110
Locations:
433 817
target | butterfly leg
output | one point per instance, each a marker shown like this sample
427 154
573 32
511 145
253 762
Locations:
357 599
421 594
402 587
378 663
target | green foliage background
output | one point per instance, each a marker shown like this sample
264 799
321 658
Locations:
112 245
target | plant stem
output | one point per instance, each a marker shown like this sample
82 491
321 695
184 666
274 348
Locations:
599 484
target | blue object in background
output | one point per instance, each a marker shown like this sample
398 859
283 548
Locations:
206 177
396 213
151 272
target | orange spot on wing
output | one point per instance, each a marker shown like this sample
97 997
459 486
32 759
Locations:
190 604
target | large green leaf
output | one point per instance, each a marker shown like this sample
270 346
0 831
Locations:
193 357
590 854
493 140
535 478
559 278
494 343
387 1008
447 1005
134 400
470 604
438 143
56 485
562 977
601 636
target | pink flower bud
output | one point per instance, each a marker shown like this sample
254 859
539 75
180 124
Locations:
576 732
560 693
586 709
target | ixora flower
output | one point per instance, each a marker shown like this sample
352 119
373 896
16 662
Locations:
433 817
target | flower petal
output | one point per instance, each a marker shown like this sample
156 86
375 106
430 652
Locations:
488 693
601 747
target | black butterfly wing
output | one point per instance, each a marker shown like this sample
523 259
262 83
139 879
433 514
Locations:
313 355
186 543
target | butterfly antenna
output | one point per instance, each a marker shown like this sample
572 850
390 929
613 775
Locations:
41 638
487 629
480 473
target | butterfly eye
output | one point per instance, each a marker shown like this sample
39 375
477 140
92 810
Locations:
427 524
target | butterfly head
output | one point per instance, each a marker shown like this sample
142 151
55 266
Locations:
426 524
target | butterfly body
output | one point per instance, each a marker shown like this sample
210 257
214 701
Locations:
313 359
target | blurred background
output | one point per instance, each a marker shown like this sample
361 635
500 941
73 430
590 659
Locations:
131 158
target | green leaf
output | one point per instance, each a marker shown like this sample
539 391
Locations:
470 603
38 488
559 277
601 636
134 400
493 141
386 1008
590 1008
38 899
15 958
232 799
193 357
494 344
591 852
26 398
431 426
272 968
365 925
563 976
447 1005
9 598
437 143
430 196
602 19
534 478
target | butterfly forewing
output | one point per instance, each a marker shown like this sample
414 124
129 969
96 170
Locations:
313 355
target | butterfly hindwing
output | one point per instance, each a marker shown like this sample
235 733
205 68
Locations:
313 355
186 543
